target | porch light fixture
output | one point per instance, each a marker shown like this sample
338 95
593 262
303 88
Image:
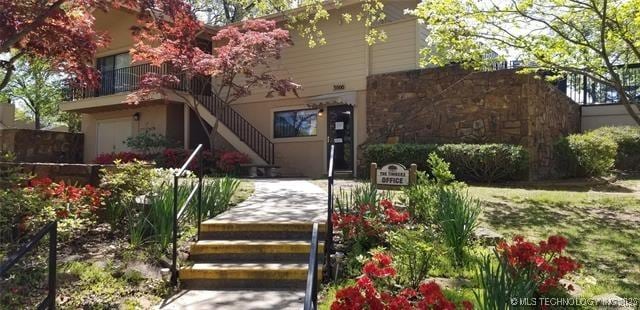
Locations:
320 112
136 116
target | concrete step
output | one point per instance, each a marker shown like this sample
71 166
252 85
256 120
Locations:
245 275
252 251
227 230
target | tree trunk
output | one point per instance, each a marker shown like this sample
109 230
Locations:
628 106
37 123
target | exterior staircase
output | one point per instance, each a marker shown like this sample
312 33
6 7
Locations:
251 255
235 128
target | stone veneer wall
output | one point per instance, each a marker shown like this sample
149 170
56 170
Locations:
452 105
80 174
42 146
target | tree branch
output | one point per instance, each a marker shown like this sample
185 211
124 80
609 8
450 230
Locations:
37 22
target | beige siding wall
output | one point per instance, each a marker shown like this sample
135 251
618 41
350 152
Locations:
595 116
394 9
117 23
399 51
152 117
305 155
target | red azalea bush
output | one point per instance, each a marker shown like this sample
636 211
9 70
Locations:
369 222
545 261
41 200
371 291
229 160
225 161
69 200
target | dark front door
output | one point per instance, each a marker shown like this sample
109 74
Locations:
340 133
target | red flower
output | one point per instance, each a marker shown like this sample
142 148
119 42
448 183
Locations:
554 244
40 182
379 266
467 305
543 262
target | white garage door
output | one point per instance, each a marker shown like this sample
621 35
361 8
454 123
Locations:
111 135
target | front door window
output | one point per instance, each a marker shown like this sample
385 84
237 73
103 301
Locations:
340 133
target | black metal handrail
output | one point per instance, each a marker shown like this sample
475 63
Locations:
50 229
178 213
311 291
328 244
242 128
128 79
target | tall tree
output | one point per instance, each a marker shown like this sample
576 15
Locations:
60 31
241 62
37 86
593 38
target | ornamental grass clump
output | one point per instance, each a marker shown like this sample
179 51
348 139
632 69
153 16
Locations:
457 216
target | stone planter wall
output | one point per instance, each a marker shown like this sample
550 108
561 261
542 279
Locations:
452 105
42 145
79 174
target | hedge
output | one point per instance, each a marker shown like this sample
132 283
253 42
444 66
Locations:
485 162
597 152
469 162
405 154
628 140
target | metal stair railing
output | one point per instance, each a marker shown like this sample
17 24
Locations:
50 229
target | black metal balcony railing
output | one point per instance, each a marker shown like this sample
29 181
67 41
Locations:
586 91
128 79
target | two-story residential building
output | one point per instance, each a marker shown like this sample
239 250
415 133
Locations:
289 132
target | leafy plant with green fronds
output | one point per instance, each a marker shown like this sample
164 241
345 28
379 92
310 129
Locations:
359 195
216 195
413 252
497 285
457 216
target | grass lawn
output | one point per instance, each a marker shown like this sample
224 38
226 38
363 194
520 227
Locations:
601 222
245 190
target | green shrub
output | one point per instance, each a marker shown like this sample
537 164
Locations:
405 154
485 162
412 252
125 182
469 162
457 215
628 140
588 154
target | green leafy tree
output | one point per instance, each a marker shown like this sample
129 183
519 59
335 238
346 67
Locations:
37 86
594 38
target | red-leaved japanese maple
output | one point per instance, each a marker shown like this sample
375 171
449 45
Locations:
59 31
239 63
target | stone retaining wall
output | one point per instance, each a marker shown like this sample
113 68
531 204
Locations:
452 105
80 174
42 145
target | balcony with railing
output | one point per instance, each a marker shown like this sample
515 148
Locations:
128 79
120 80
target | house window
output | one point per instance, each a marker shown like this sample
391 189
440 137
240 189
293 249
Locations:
115 78
297 123
113 62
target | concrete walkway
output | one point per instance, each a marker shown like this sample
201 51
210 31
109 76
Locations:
274 200
235 300
280 200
